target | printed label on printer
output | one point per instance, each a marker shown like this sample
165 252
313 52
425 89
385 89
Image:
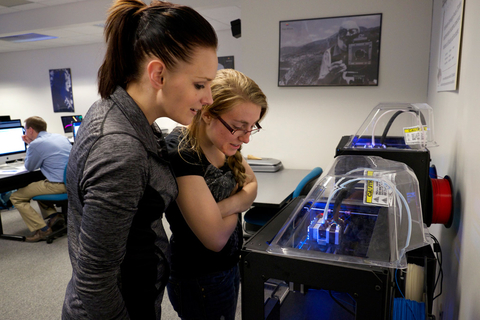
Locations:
377 192
415 135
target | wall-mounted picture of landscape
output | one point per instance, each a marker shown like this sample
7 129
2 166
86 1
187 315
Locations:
335 51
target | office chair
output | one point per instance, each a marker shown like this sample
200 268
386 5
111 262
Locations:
257 217
58 199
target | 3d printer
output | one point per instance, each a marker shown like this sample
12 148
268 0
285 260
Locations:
403 132
359 224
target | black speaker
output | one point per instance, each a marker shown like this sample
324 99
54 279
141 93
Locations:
236 28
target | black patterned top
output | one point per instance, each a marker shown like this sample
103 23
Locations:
189 257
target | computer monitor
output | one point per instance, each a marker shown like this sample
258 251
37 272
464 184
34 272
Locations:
76 126
11 123
12 147
67 122
4 118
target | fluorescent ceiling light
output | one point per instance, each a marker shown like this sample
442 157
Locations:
27 37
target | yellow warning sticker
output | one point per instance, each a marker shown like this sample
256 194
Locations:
415 135
369 196
377 192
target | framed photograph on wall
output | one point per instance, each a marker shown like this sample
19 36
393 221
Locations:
62 93
227 62
335 51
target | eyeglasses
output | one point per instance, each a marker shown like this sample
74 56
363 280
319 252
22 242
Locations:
242 132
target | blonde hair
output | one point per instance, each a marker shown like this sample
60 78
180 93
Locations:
229 89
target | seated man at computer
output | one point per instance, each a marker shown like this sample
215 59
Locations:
48 152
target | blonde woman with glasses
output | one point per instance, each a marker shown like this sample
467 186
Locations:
215 185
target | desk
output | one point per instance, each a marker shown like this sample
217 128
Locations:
276 188
12 181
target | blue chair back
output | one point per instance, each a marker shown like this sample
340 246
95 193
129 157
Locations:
313 175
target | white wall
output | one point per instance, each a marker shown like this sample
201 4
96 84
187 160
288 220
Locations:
304 125
25 85
456 123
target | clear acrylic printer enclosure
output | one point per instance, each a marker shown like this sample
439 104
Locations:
396 125
374 215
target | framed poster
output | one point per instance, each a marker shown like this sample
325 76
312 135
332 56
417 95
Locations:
226 62
450 41
335 51
61 86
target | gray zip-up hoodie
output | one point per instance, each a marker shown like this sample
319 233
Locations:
119 183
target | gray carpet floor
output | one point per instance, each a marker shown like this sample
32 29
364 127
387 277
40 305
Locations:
33 276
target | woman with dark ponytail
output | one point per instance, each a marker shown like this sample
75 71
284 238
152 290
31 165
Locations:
160 61
215 185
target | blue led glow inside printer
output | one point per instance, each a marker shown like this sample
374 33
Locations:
366 210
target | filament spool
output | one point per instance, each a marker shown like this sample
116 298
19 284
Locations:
442 200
